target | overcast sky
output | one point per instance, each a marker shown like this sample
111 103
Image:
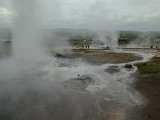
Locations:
140 15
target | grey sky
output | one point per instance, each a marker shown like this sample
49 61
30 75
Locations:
142 15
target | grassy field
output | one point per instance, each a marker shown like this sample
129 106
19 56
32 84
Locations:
153 66
129 35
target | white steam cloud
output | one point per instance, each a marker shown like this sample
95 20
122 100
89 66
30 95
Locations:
27 42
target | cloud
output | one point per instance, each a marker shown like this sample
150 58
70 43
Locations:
121 14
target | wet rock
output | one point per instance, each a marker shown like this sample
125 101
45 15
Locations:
112 69
78 83
128 66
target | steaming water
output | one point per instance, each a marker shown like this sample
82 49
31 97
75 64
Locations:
53 90
116 87
109 39
32 87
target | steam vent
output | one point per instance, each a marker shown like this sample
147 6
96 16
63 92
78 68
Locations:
79 60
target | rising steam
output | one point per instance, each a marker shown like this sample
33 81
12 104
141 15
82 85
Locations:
27 41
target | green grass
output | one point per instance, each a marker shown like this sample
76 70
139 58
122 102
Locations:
129 36
151 67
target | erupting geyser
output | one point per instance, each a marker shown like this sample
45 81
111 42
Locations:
109 39
27 42
82 84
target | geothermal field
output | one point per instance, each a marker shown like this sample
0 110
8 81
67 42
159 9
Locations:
91 72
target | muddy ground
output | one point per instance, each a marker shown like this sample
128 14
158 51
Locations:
99 56
149 86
